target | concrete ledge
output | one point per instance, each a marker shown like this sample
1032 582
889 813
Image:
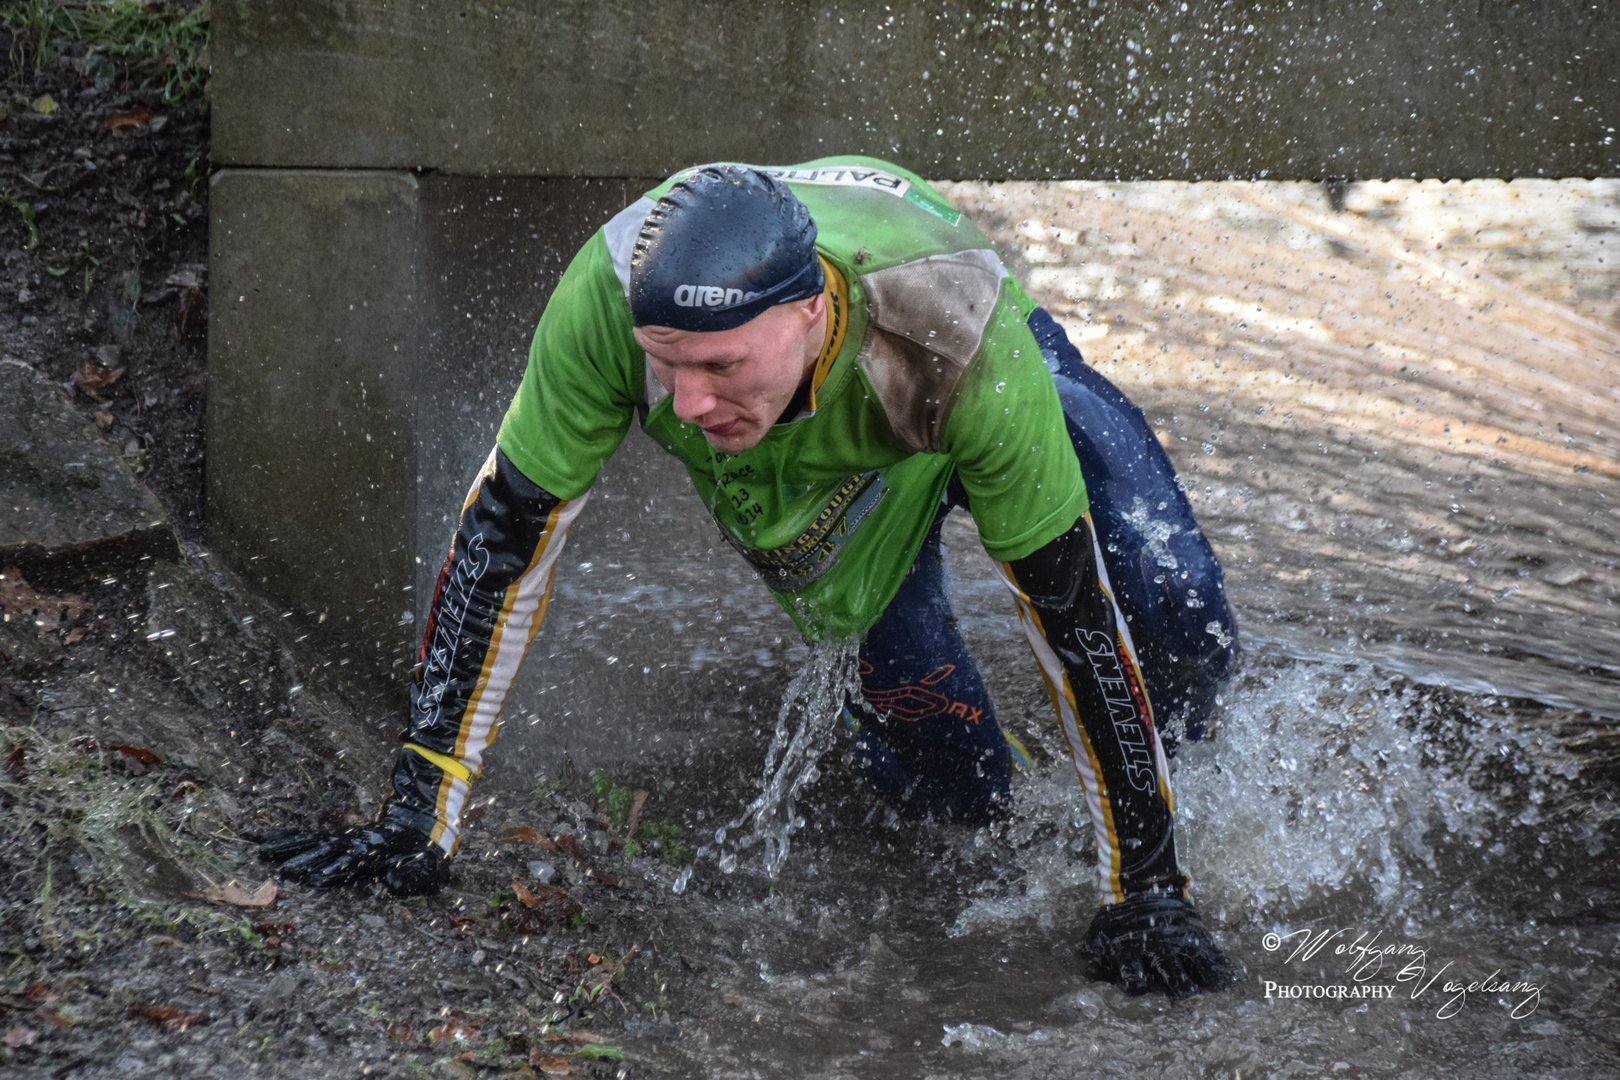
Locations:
1205 89
311 342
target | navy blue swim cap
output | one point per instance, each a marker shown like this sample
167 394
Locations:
723 245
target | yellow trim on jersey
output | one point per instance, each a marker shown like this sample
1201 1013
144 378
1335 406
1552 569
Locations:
837 296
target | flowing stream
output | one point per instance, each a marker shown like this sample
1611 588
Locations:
1395 421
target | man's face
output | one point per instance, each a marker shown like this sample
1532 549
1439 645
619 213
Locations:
735 383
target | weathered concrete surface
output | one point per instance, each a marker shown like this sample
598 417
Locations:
312 336
491 252
368 332
66 498
1206 89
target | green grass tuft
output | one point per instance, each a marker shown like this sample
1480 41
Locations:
149 42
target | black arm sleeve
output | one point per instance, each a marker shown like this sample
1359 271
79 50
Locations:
490 599
1086 654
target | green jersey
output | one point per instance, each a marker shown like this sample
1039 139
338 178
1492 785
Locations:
936 372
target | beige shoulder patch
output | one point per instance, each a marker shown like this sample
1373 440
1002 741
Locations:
925 322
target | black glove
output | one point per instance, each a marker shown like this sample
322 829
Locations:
1149 941
398 853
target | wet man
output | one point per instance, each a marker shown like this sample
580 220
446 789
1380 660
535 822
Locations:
839 359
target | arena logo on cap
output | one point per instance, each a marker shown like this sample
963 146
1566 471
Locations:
714 296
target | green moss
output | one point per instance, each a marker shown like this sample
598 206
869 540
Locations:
600 783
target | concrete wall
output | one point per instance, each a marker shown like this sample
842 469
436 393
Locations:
404 183
952 88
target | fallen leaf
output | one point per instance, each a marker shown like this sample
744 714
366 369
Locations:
576 1037
402 1033
44 104
92 378
458 1028
285 929
17 597
570 847
75 636
550 1064
134 118
17 1035
467 1057
638 799
55 1018
104 420
473 815
467 922
192 302
165 1017
139 753
542 905
16 765
40 994
233 894
600 975
525 834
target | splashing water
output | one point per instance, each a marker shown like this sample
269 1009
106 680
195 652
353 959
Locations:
829 678
1157 533
1322 781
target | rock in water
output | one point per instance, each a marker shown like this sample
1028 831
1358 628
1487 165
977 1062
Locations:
67 500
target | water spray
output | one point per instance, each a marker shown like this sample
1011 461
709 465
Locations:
817 695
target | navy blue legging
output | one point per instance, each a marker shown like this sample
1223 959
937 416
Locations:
930 743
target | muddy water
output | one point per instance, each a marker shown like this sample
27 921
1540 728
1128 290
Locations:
1396 422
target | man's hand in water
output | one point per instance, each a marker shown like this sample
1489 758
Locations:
1155 941
398 854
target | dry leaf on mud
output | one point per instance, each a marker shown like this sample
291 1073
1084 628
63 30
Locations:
575 1037
18 1035
542 905
570 847
638 799
233 894
165 1017
42 995
17 597
550 1064
600 975
135 118
139 753
457 1028
92 378
523 834
192 302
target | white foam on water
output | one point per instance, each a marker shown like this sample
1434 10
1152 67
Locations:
1318 779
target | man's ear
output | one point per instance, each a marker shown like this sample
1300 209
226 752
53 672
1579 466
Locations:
814 306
